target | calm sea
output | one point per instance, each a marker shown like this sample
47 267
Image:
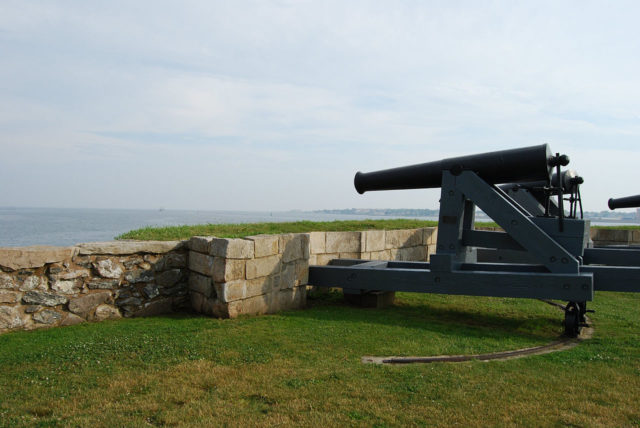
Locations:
59 226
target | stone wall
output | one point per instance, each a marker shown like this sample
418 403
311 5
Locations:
268 273
253 275
50 286
405 244
53 286
615 236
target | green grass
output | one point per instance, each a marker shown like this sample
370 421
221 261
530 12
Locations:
248 229
302 368
240 230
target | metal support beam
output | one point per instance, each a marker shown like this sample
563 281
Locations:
570 287
519 226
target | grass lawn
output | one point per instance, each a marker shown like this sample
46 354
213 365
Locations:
239 230
302 368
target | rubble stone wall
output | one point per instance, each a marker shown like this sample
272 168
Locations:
44 286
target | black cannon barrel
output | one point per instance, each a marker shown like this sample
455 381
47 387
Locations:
505 166
626 202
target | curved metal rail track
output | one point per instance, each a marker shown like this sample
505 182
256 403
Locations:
562 344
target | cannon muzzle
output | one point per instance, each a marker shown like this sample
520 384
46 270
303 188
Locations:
506 166
626 202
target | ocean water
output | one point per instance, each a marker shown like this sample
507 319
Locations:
62 227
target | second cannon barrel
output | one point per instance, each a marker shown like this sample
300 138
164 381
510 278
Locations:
626 202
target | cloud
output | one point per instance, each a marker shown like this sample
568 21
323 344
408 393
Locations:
275 105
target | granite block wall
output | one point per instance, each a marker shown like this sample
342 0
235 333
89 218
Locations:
253 275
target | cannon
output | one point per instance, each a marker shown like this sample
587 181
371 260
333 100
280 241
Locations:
543 253
626 202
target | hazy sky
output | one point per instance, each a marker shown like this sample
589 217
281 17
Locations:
274 105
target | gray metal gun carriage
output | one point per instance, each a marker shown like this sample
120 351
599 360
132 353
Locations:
543 252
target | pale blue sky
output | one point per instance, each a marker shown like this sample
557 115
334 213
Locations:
274 105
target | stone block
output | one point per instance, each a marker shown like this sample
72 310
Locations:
128 301
317 242
200 244
430 235
380 255
324 259
230 291
201 263
139 275
17 258
293 298
45 299
265 245
107 312
215 308
180 289
72 274
6 281
47 316
131 262
302 272
173 260
169 278
150 291
232 248
33 282
83 261
83 305
294 246
66 287
197 300
258 286
263 266
343 242
288 276
615 236
252 306
200 284
10 318
225 270
350 256
108 268
72 319
412 254
10 296
103 284
403 238
130 247
373 240
431 249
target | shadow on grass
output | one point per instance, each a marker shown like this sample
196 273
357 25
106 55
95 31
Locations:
479 321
